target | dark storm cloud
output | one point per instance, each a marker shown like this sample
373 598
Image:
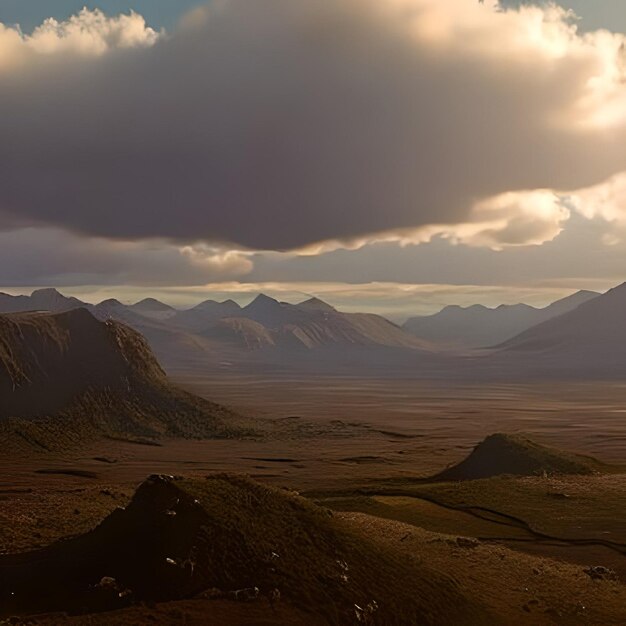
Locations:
275 124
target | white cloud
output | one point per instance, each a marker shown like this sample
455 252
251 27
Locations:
87 34
606 201
232 262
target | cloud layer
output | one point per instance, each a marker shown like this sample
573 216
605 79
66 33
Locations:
278 124
48 256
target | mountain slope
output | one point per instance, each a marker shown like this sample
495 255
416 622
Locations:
68 376
170 343
240 332
316 324
591 338
478 326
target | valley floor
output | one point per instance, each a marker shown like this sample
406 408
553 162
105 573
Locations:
361 447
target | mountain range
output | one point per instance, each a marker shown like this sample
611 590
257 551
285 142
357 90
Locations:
225 331
585 332
478 326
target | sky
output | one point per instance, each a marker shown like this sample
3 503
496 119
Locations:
387 155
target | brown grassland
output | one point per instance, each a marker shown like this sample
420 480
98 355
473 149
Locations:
507 549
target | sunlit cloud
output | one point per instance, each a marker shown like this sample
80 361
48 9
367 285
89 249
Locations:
87 34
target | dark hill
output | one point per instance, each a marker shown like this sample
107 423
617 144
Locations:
516 455
180 538
67 376
46 360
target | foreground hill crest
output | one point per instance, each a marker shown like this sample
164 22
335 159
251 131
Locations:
180 538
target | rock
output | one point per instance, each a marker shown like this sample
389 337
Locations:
599 572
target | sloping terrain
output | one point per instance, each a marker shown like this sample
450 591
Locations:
233 539
170 343
67 376
479 326
588 343
47 360
516 455
240 332
590 339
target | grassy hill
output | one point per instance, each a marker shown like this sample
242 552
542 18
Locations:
179 538
67 377
517 455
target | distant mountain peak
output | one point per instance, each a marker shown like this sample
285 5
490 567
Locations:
315 304
110 302
53 300
264 298
47 292
262 301
152 304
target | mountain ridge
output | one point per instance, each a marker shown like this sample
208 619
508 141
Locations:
478 326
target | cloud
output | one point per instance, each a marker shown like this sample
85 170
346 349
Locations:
216 260
87 34
47 256
607 202
513 219
280 124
